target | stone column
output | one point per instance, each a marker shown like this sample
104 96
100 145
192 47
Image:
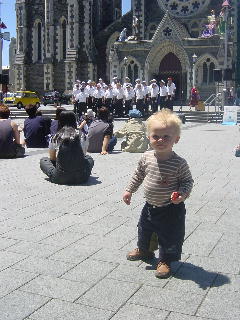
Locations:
48 48
20 68
72 43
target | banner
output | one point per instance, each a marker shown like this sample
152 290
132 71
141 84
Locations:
230 115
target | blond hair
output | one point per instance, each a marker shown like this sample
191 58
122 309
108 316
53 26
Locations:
165 118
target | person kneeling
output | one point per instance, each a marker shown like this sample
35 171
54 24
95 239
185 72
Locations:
135 132
69 165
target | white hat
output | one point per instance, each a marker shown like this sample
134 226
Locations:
162 81
89 113
89 81
137 80
114 78
153 80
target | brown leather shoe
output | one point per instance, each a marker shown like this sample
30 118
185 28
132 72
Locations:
138 254
163 270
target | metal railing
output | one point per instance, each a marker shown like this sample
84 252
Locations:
217 100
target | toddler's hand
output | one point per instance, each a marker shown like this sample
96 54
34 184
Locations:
177 198
127 197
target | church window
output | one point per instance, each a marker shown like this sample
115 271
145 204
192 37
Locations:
132 70
39 41
211 68
207 72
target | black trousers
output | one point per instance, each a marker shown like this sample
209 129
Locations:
169 225
128 106
169 104
56 176
162 102
109 104
154 104
140 105
118 106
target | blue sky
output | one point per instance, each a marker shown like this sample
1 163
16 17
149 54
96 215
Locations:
9 18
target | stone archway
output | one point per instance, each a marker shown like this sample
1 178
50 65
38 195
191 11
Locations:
156 56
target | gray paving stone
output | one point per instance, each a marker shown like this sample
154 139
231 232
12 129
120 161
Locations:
55 288
61 310
180 316
219 306
8 259
6 243
33 249
170 300
18 305
44 266
114 255
221 264
12 279
76 252
108 294
201 243
137 275
89 271
135 312
64 238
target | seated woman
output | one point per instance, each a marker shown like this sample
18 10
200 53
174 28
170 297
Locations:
10 146
66 163
100 134
54 123
36 128
84 125
135 132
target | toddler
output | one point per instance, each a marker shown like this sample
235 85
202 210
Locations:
167 183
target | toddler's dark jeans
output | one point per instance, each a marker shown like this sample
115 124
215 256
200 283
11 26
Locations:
169 225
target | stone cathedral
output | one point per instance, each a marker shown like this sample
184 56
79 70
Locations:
64 40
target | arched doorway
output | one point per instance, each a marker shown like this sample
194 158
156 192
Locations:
170 66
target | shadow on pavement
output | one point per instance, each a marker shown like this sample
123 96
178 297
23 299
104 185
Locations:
188 271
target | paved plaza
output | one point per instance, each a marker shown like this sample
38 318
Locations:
63 248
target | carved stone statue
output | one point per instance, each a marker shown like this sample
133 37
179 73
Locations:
135 28
123 35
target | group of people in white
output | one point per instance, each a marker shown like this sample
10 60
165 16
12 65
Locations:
119 97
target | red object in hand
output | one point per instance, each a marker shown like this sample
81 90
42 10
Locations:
175 195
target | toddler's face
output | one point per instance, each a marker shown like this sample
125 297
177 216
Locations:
162 138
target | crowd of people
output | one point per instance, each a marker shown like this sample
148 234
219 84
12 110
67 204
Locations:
119 97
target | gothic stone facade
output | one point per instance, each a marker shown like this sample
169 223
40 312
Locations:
170 34
56 41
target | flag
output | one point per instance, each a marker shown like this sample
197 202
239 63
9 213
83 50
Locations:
3 26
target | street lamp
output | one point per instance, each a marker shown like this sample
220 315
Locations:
125 63
194 59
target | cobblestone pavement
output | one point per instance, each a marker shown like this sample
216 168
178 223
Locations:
63 248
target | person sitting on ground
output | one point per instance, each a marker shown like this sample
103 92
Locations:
85 123
100 134
54 123
66 163
135 132
36 128
10 146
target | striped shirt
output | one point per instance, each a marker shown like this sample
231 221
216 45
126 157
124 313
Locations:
161 178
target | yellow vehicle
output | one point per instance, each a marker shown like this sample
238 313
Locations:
21 98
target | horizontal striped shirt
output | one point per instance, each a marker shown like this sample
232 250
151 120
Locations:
161 178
